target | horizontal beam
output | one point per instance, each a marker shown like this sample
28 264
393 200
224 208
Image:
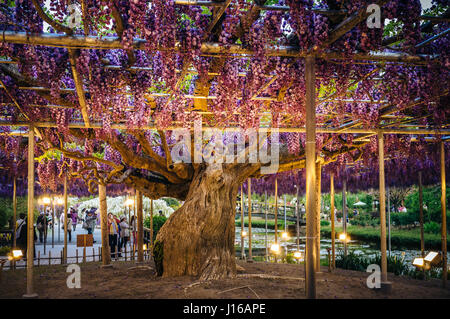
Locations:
235 129
92 42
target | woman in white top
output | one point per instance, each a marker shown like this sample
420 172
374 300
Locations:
124 232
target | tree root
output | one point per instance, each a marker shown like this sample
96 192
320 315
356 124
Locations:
257 296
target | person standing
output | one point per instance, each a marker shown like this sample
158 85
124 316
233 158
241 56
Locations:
41 224
74 217
133 227
68 221
22 237
90 221
113 232
124 232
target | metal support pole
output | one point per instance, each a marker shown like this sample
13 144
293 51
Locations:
140 227
332 216
30 219
265 233
242 225
66 219
444 218
53 223
389 220
14 210
344 213
151 223
382 207
297 214
318 200
310 280
249 184
276 210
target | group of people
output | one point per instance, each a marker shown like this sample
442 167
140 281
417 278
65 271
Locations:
119 233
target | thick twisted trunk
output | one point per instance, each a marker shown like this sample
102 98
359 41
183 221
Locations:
198 239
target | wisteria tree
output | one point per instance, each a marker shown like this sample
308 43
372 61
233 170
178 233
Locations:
106 83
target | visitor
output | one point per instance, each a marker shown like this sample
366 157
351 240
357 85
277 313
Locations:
161 213
19 221
69 226
90 222
133 227
124 232
74 217
113 232
22 237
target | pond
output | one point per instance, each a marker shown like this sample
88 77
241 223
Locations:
358 247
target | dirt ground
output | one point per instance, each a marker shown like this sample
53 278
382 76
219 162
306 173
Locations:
259 280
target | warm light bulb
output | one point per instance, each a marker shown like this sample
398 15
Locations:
145 247
129 202
285 236
244 233
343 237
275 248
17 253
46 200
60 201
297 255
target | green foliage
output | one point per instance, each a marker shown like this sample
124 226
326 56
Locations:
5 250
365 219
432 201
172 202
399 237
432 228
352 261
158 222
6 210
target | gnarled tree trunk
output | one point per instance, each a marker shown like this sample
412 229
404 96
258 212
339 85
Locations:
198 239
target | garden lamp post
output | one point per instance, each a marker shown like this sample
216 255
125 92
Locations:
60 202
265 218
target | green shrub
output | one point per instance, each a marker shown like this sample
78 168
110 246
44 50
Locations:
158 222
432 228
324 223
5 250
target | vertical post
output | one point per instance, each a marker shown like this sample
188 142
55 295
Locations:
276 210
249 184
265 218
310 273
13 263
106 256
151 223
285 229
444 218
30 219
332 216
242 225
297 214
382 207
140 227
66 219
344 213
389 220
14 210
318 200
422 239
53 222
